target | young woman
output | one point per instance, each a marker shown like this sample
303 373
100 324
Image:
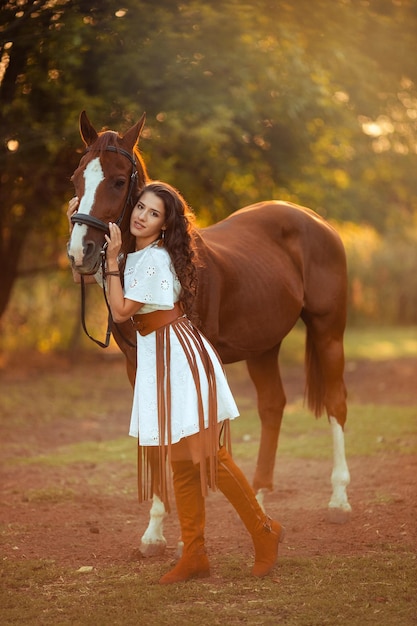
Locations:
182 402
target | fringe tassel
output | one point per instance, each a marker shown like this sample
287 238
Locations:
154 462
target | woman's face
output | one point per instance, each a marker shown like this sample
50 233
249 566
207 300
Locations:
147 219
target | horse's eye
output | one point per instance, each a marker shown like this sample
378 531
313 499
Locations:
119 183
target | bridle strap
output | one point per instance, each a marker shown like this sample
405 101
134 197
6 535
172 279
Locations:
89 220
118 150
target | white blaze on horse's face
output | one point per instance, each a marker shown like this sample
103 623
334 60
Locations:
93 175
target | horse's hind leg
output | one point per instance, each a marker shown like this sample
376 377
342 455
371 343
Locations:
335 402
325 369
339 507
264 371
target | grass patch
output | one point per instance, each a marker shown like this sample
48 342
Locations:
374 343
52 495
121 450
363 590
379 344
369 430
63 393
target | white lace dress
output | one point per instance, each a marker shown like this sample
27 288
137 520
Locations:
151 279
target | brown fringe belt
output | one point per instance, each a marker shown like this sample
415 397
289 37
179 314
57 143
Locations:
146 323
153 460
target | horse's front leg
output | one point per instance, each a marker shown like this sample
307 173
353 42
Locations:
264 371
153 542
339 507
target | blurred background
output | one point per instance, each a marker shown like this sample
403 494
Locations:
311 102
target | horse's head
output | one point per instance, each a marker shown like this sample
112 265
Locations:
107 181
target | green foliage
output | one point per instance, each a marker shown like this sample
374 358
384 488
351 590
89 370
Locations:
57 323
382 274
312 102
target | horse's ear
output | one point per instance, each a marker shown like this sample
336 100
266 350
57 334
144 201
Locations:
131 136
87 131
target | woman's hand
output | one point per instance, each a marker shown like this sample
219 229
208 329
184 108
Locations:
121 308
114 243
72 208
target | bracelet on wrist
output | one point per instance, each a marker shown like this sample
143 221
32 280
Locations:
115 273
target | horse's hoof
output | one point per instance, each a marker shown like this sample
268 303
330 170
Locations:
153 549
338 516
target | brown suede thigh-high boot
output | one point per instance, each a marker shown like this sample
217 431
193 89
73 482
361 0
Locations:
191 514
265 532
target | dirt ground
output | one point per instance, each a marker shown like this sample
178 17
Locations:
86 525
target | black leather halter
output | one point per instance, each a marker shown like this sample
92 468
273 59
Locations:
94 222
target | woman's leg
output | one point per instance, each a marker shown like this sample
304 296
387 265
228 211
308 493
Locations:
265 532
191 514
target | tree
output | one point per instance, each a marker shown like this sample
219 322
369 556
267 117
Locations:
33 119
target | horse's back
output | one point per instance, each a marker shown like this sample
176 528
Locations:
274 221
261 268
282 237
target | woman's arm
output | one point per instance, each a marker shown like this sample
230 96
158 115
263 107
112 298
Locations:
121 308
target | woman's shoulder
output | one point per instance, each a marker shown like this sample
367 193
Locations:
152 251
158 255
154 255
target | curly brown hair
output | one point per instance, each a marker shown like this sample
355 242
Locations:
179 240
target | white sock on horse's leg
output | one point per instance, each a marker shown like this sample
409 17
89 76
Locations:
153 542
340 479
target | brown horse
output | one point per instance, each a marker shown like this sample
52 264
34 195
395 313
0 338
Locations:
265 266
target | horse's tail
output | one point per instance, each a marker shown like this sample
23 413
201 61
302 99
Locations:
315 383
